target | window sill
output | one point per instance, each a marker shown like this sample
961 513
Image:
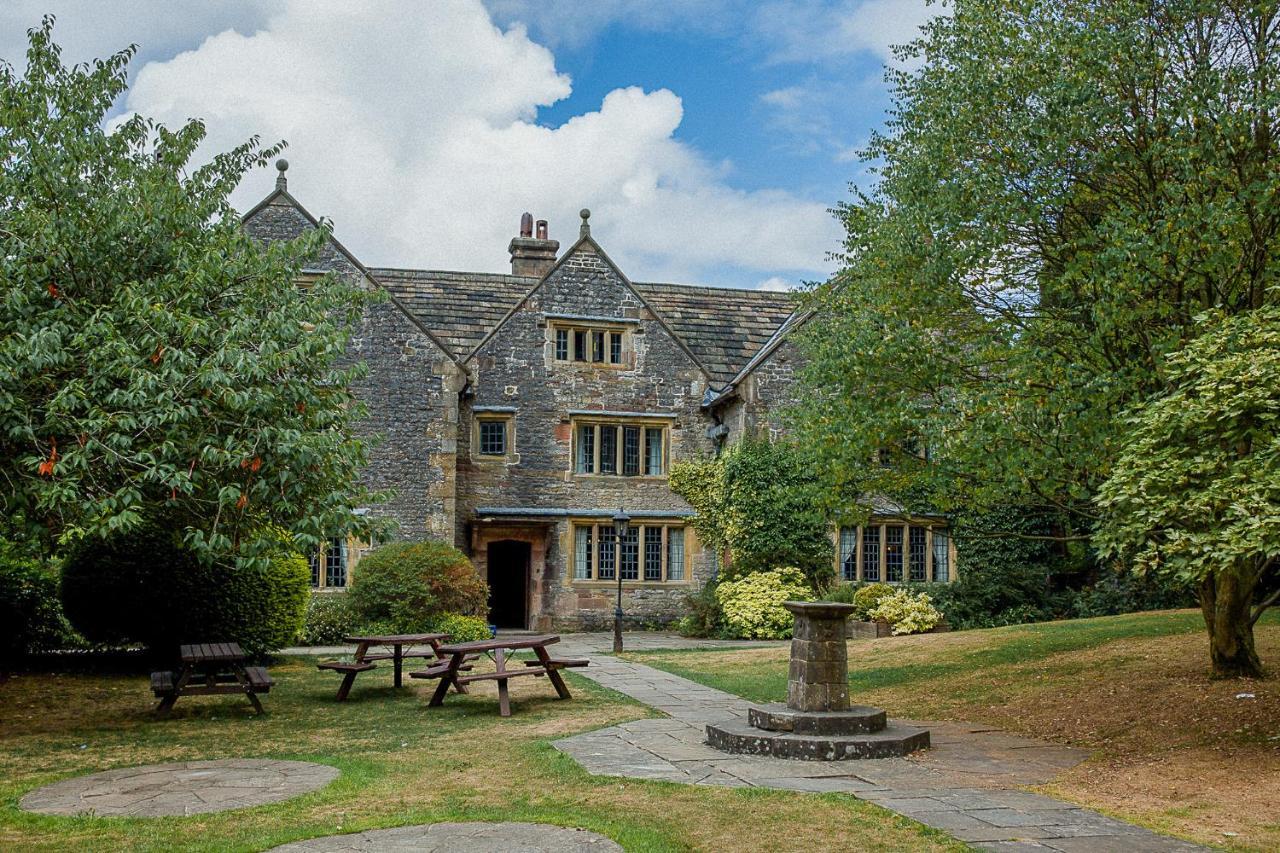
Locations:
654 478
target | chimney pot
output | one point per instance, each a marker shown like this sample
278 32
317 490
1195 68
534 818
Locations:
532 256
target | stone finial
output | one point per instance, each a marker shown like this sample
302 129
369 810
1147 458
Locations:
585 230
282 166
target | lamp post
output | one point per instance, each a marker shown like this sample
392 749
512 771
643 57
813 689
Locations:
621 521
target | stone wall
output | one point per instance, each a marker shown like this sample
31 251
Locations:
516 368
411 392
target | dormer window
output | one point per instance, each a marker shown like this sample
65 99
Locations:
588 345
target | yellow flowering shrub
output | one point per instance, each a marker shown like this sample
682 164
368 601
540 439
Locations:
752 604
907 612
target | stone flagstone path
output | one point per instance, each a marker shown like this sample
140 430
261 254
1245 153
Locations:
180 788
462 838
966 785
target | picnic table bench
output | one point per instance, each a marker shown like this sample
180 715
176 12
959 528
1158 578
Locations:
208 669
398 647
459 654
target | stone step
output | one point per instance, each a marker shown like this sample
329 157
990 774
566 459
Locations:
894 741
856 719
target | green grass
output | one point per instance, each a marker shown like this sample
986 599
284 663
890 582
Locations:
1020 644
401 764
1171 748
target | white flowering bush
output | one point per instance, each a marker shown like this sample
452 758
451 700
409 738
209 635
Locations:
907 612
752 604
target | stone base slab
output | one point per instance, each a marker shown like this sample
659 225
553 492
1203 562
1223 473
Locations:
857 719
740 737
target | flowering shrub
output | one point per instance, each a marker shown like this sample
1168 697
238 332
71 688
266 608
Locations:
867 598
753 607
461 629
907 612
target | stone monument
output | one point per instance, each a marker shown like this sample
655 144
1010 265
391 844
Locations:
818 723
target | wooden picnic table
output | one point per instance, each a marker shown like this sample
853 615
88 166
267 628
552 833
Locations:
207 669
397 647
460 653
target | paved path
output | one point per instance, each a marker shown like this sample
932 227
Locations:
966 785
180 788
461 837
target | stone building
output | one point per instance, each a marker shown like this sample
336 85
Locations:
518 413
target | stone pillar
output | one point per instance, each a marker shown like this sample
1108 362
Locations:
819 676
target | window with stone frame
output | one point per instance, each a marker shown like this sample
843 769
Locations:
620 448
493 436
329 565
589 344
649 552
895 550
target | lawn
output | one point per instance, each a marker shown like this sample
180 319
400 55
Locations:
1174 750
401 764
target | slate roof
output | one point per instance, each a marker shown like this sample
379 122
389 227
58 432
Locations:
460 308
723 327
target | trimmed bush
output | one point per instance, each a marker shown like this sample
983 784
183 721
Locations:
753 604
403 586
461 629
30 616
144 587
908 612
868 598
328 619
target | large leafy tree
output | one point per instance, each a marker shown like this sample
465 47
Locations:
1195 491
155 362
1064 185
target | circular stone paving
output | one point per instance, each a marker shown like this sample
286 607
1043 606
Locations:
464 837
181 788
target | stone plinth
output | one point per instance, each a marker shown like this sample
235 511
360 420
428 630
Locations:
819 676
818 723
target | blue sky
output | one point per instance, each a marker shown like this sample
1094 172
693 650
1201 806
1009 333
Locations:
709 137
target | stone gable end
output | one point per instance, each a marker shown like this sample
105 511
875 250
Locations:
410 391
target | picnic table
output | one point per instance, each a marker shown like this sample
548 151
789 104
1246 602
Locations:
207 669
395 648
450 674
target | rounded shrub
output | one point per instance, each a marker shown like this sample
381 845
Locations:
30 616
868 597
908 612
328 620
144 587
752 604
403 586
461 629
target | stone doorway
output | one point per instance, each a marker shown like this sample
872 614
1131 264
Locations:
508 563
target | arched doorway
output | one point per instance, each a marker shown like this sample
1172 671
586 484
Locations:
508 569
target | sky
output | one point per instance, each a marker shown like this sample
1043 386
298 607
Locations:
709 138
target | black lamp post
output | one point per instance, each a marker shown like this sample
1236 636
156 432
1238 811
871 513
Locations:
621 521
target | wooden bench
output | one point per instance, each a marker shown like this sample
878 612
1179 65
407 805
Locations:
259 679
351 669
558 663
162 682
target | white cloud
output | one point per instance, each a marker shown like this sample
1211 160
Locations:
414 127
574 22
775 283
803 31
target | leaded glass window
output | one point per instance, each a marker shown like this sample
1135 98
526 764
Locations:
335 563
582 553
608 449
586 449
653 553
615 347
917 554
675 554
653 451
630 451
562 344
606 553
941 556
871 553
493 438
629 554
849 553
893 553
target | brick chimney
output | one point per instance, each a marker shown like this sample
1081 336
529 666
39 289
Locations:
532 256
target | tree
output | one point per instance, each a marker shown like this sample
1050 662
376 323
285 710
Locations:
757 503
1064 185
155 362
1195 492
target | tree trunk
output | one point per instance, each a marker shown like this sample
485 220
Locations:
1226 602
